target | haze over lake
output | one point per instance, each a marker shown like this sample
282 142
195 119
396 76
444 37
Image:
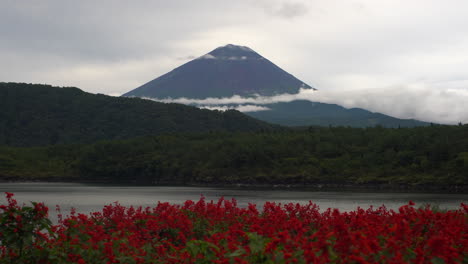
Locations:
89 198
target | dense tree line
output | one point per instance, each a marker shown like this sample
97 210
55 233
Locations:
411 156
35 115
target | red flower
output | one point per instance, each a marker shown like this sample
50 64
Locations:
222 232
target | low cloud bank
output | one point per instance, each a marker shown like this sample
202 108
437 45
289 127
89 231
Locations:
417 101
240 108
445 106
304 94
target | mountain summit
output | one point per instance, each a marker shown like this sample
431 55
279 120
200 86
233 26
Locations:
226 71
232 52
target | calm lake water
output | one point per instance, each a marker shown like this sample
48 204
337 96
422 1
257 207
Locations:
88 198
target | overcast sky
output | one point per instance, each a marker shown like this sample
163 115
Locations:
404 58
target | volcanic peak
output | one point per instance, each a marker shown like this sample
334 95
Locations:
232 52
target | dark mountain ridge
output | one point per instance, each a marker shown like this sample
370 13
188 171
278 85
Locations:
300 112
34 114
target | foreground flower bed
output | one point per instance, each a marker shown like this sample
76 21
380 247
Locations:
221 232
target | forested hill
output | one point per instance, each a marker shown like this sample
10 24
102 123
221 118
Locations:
34 114
302 112
424 157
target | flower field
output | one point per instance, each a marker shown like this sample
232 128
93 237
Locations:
222 232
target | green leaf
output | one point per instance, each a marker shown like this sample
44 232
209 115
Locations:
257 242
410 254
239 252
437 260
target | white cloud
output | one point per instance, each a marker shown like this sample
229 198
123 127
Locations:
284 8
237 58
418 101
207 57
211 57
240 108
304 94
244 48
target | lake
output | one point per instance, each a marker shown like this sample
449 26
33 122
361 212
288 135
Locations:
88 198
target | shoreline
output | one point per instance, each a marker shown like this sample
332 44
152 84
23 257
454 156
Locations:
325 187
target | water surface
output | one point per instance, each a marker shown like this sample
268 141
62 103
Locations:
88 198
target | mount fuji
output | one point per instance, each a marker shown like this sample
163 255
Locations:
237 77
224 72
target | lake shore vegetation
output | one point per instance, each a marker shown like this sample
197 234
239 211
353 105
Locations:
331 156
222 232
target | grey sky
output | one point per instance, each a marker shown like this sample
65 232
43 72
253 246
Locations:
404 58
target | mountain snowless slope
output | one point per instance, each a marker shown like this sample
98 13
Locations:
224 72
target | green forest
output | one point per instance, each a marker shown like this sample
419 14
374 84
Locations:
35 114
422 156
65 134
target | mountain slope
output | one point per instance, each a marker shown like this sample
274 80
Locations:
33 114
230 73
301 113
224 72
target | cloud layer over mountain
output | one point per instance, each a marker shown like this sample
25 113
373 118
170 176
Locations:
448 106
